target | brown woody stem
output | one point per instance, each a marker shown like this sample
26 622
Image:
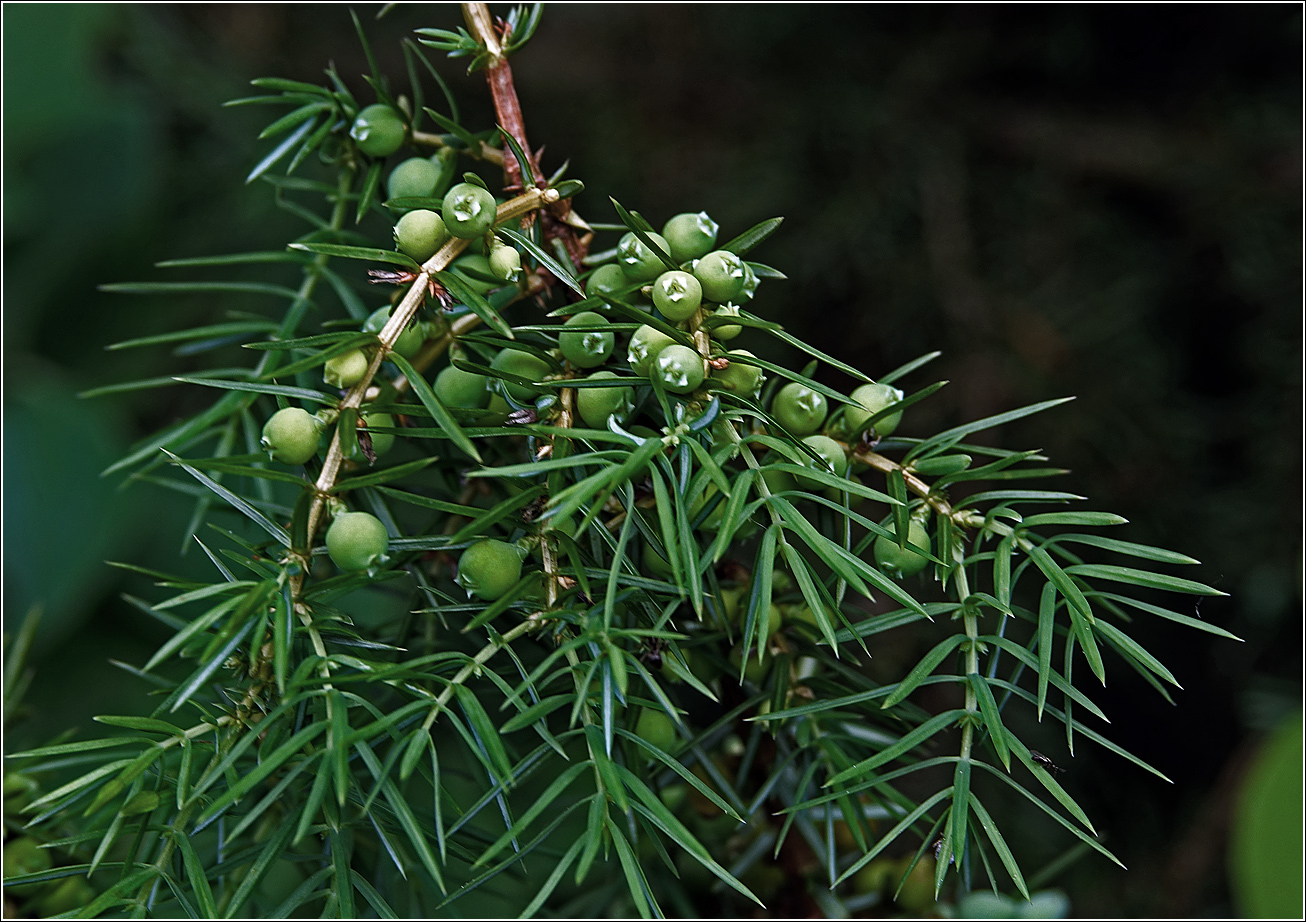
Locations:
498 74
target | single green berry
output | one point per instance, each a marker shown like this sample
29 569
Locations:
799 409
832 453
536 589
726 331
468 210
656 728
874 398
25 856
607 280
505 263
730 600
19 790
721 273
645 344
774 616
1045 904
457 388
378 130
755 669
71 894
737 376
639 262
800 614
673 795
356 540
711 499
291 435
597 405
690 236
680 368
916 893
985 904
587 350
899 562
778 481
523 365
382 442
496 411
489 568
345 370
475 271
420 233
677 295
415 177
409 341
876 876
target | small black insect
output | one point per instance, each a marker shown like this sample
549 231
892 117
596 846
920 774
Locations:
533 510
651 652
644 490
1045 762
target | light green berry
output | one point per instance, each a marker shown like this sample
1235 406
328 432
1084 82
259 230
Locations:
469 210
420 233
799 409
679 368
607 279
523 365
638 262
903 562
382 442
874 398
721 274
465 389
597 405
677 295
413 178
408 342
657 729
690 236
726 331
356 540
489 568
378 130
738 376
832 453
589 349
291 435
345 370
505 263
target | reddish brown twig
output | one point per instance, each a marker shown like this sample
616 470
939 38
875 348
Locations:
557 221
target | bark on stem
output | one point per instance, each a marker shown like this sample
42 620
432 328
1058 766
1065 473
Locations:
498 74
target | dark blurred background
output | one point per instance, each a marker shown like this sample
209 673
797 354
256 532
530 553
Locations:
1103 201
